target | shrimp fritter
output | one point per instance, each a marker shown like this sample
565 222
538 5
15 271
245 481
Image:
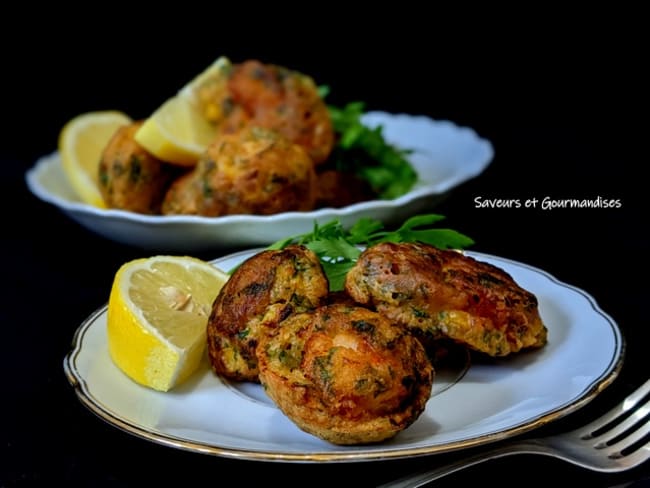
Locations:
265 289
445 294
253 171
283 100
346 374
130 178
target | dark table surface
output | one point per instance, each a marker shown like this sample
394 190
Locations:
559 124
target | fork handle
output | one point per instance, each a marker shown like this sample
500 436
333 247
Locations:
421 478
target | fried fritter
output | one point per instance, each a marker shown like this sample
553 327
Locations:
345 374
130 178
445 294
253 171
283 100
265 289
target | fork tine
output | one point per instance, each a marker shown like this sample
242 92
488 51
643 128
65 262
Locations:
594 428
628 448
637 457
623 430
618 446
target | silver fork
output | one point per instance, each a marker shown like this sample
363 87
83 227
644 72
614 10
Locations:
617 441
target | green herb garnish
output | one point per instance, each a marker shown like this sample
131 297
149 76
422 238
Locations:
338 249
364 151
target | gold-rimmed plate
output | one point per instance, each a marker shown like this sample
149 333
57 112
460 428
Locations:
471 404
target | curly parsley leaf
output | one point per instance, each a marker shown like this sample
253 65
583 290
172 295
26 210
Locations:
338 248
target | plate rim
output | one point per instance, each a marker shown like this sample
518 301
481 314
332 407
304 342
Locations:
605 378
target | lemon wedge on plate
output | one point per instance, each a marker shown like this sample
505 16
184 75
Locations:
180 130
81 142
157 317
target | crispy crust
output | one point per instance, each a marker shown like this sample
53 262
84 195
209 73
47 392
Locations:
265 289
286 101
253 171
346 374
130 178
446 294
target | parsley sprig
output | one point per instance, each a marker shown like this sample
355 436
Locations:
364 151
338 248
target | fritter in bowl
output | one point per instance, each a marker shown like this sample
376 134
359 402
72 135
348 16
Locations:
130 178
254 171
265 289
345 374
283 100
444 294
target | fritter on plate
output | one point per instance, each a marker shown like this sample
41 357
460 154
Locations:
445 294
265 289
345 374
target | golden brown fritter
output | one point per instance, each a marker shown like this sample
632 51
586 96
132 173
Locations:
445 294
265 289
283 100
184 195
346 374
130 178
253 171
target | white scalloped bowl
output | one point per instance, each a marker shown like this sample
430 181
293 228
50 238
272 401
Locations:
444 156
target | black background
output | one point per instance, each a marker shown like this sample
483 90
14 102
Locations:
564 106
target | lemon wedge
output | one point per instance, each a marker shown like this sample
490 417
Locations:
180 130
157 317
176 133
81 142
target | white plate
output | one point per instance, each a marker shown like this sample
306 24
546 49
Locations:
445 156
484 403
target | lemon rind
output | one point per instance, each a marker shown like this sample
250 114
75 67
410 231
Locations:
84 186
139 349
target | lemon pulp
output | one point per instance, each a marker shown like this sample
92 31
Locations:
157 316
180 130
81 142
